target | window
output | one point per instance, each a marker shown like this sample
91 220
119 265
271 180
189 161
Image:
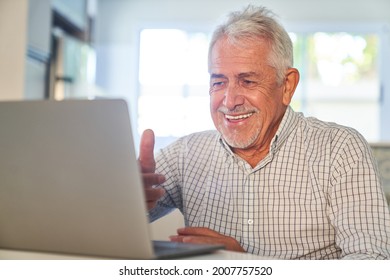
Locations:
173 98
339 81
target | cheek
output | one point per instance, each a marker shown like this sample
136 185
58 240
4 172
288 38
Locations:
267 100
215 102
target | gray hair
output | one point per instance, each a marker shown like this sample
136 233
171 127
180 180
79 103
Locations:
258 22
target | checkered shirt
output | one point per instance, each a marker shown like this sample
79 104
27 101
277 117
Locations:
316 195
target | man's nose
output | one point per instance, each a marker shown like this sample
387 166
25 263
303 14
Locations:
233 97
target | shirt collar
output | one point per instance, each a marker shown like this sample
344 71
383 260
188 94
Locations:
287 125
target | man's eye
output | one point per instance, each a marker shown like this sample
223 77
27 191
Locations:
217 85
248 83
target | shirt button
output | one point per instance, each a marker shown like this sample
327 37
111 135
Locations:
250 222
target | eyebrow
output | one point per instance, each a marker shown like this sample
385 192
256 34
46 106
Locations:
240 76
217 76
247 74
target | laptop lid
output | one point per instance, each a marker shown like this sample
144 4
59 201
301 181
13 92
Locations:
69 180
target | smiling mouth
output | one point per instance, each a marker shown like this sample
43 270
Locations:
238 117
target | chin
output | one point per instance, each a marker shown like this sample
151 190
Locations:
238 145
237 141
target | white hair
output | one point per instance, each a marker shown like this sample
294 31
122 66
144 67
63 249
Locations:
253 23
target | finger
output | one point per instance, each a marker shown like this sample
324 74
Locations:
199 231
154 194
190 239
146 152
201 240
195 239
229 243
151 179
151 205
176 238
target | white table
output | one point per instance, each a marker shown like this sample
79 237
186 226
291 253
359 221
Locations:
25 255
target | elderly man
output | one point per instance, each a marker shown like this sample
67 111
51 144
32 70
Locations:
268 181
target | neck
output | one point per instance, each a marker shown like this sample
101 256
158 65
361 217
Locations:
252 156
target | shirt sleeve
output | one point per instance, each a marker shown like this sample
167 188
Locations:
167 164
357 208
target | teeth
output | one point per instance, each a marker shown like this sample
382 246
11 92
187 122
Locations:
229 117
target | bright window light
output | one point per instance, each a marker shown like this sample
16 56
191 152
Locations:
173 98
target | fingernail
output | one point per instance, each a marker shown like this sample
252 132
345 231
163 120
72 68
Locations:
161 179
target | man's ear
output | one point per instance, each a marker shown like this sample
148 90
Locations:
290 84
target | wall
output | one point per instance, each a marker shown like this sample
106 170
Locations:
13 31
24 49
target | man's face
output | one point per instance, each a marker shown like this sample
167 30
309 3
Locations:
247 101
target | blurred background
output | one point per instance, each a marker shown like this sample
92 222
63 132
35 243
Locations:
153 54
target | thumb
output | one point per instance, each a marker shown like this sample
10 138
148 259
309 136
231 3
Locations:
146 154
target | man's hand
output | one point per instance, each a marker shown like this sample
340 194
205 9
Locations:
201 235
148 168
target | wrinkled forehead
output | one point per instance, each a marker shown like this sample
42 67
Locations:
226 51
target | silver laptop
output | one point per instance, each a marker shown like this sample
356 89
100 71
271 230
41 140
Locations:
70 182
